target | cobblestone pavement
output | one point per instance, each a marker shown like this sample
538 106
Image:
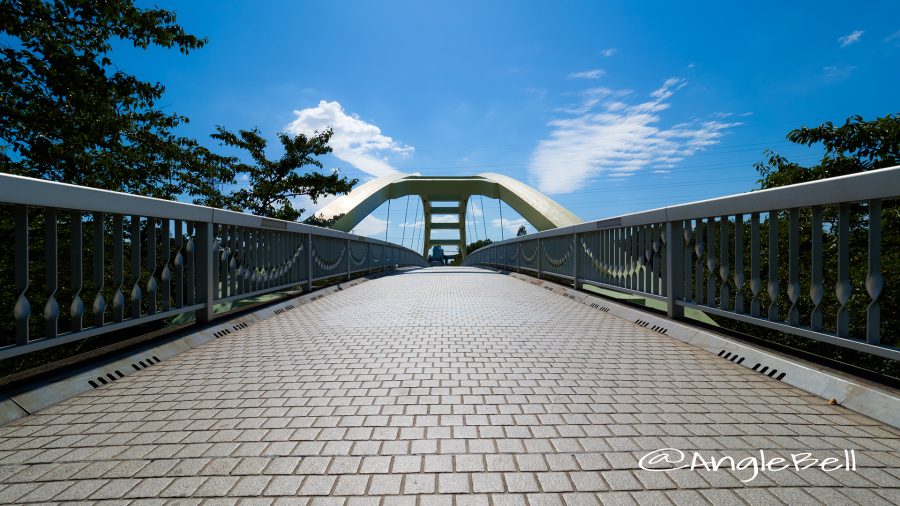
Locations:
441 386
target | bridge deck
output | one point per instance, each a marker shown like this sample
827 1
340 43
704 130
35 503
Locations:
438 383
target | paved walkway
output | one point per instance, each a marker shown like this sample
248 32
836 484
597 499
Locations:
436 387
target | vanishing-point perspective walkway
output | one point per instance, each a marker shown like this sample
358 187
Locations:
441 386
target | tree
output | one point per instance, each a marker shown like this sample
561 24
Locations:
67 113
522 231
855 146
476 245
274 183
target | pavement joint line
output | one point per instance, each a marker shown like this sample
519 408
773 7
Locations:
876 401
33 398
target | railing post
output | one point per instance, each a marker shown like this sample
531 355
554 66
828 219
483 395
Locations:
674 269
309 264
205 275
348 259
576 278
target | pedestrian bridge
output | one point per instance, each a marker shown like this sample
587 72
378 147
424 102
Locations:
515 379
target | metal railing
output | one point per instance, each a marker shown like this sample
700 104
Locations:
710 256
151 259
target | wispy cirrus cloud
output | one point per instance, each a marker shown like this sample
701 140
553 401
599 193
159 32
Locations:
837 72
606 53
587 74
850 38
355 141
605 135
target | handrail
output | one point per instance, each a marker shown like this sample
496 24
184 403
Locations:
152 259
704 255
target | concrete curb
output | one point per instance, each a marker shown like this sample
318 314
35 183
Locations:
31 399
876 401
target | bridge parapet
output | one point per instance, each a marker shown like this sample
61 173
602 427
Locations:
150 259
742 257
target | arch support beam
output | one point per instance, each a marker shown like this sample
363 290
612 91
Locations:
539 210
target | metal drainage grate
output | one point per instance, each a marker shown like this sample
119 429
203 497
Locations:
641 323
737 359
289 306
315 297
599 307
220 333
657 328
240 326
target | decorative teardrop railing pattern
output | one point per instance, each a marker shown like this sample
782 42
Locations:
764 258
84 262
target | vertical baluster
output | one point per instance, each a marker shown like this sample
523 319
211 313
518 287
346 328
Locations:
634 262
51 272
22 309
687 259
655 259
224 260
232 261
643 252
136 294
246 269
76 309
843 288
99 305
711 261
190 260
739 263
794 265
698 267
874 279
178 265
270 258
166 275
773 284
816 286
724 290
216 255
755 279
622 264
152 286
659 267
118 268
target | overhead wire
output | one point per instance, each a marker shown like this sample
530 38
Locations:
405 218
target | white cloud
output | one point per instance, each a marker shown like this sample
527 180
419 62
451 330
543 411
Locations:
587 74
355 141
892 37
850 38
619 140
370 226
510 227
835 72
606 53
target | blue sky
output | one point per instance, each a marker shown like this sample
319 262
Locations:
608 107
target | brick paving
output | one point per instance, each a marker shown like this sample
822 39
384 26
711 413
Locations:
441 386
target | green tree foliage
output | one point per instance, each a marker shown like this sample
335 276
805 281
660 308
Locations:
855 146
67 113
522 231
472 246
274 183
